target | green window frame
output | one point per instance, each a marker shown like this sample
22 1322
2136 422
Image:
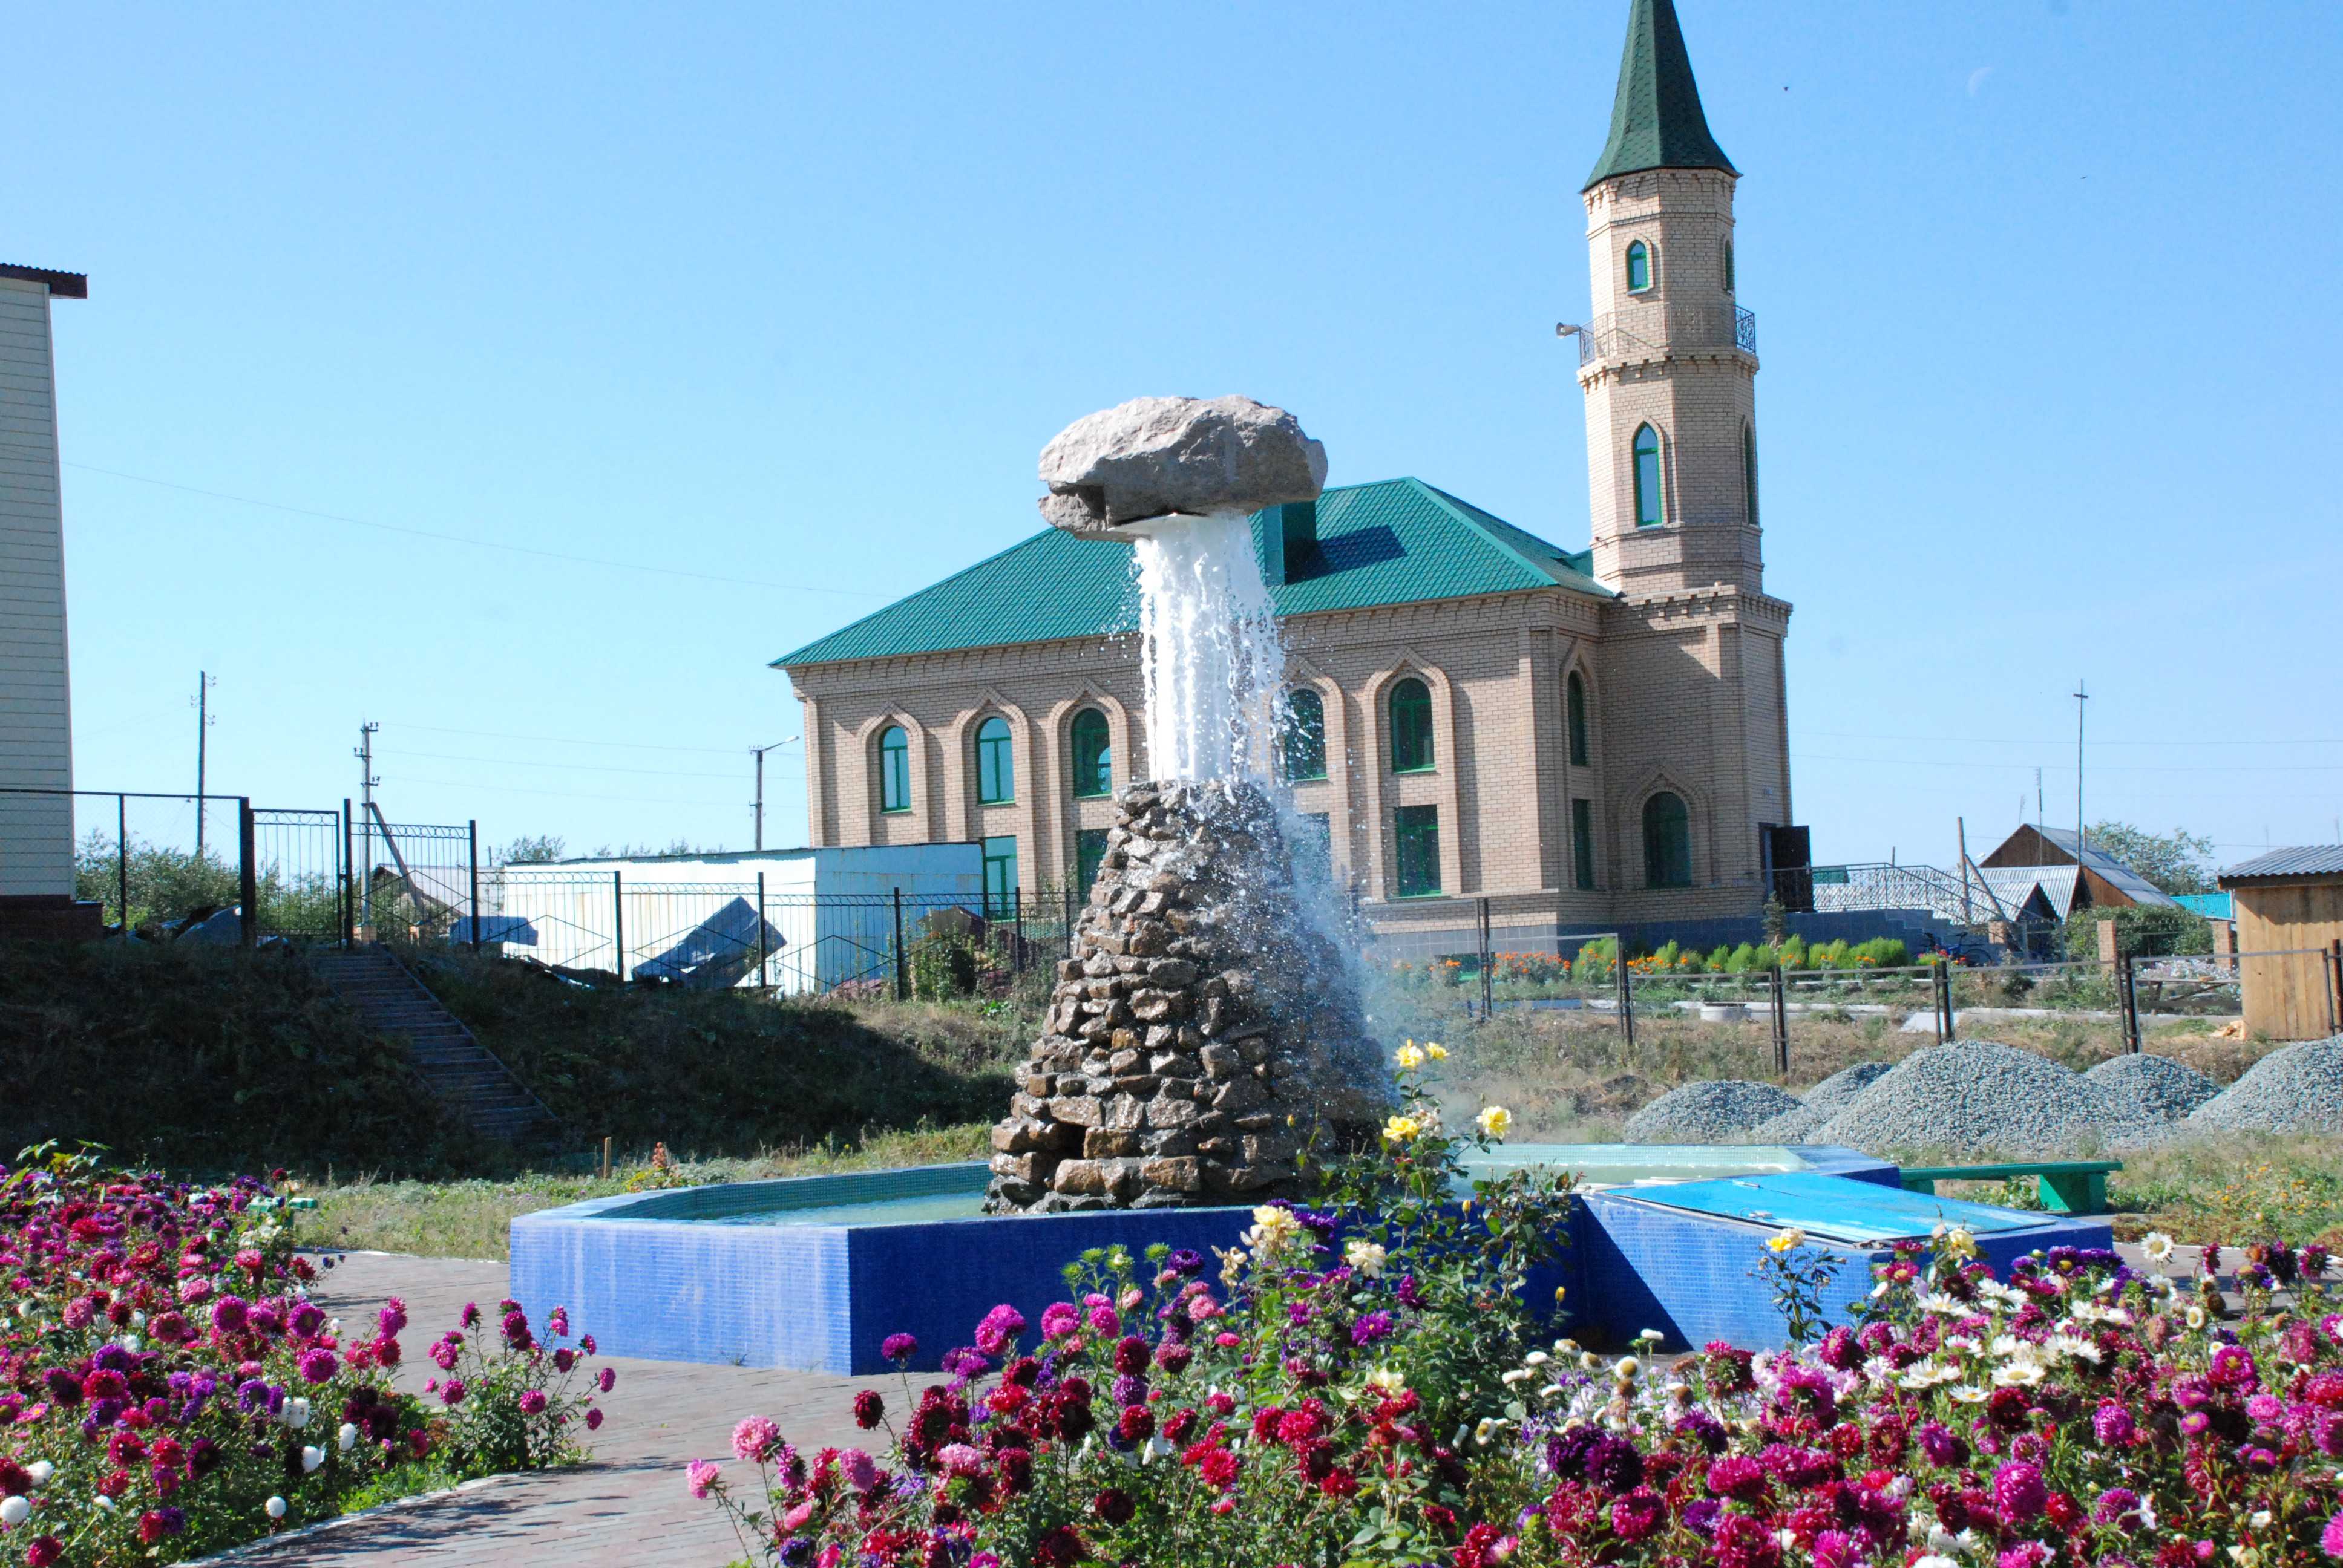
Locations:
1639 267
894 769
1001 877
1089 851
1749 473
1411 722
1667 842
1581 844
1650 512
1575 702
996 763
1093 749
1415 832
1302 743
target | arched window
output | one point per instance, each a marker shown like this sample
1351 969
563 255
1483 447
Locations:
1728 264
1667 842
1749 473
894 769
996 768
1649 513
1303 742
1639 267
1411 722
1094 755
1577 721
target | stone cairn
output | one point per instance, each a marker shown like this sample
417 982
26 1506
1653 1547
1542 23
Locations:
1202 1034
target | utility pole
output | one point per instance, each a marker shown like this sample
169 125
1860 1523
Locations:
2038 817
364 752
204 684
759 753
2082 839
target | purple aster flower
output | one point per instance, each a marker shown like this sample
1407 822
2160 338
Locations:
1700 1515
318 1364
1128 1389
2114 1505
1368 1329
2020 1493
1704 1429
1938 1441
452 1391
532 1402
1615 1464
307 1319
1185 1260
2330 1540
2113 1425
230 1313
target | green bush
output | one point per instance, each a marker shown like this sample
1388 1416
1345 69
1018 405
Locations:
2142 930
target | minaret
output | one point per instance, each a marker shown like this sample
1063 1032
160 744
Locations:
1669 360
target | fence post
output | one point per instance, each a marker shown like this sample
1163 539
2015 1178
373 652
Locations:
619 925
1070 920
1488 968
472 841
1017 932
349 908
1626 993
122 861
764 950
2335 986
903 959
2129 997
248 880
1781 1021
1940 988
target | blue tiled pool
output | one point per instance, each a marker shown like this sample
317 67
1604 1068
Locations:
813 1272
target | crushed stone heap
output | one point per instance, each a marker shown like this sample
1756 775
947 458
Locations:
1203 1033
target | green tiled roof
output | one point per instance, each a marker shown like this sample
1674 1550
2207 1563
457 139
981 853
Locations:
1656 121
1397 541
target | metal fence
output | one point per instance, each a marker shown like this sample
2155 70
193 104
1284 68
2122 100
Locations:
604 925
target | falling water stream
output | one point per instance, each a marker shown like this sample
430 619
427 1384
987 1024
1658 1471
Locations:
1214 662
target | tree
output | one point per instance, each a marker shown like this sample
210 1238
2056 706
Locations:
2175 862
540 850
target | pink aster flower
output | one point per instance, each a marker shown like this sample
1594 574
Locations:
960 1459
755 1439
532 1402
1059 1319
861 1470
701 1476
594 1420
2330 1540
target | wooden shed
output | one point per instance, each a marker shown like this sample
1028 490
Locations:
2099 880
2289 906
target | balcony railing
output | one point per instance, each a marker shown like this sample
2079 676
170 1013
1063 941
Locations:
1647 331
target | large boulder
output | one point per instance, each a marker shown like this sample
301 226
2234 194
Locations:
1153 457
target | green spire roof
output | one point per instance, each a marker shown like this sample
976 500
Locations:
1656 121
1397 541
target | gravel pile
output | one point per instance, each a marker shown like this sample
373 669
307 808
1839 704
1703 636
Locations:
2297 1089
2165 1086
1976 1095
1716 1111
1819 1105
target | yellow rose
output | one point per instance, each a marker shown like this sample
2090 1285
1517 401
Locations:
1403 1130
1496 1121
1410 1057
1792 1237
1434 1050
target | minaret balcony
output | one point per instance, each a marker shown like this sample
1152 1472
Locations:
1654 331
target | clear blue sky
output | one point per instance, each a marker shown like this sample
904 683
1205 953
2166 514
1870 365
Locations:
790 297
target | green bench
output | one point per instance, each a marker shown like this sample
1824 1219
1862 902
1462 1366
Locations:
2067 1186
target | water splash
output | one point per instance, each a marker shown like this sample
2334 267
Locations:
1214 663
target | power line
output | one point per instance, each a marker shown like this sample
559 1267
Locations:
565 794
461 539
568 767
569 739
1999 740
2104 767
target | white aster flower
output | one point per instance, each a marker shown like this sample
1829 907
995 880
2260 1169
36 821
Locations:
2157 1246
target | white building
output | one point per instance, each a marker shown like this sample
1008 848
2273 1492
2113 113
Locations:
798 921
37 832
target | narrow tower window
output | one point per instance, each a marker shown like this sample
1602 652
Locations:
894 769
1639 267
1728 266
1577 705
1304 741
1648 513
1410 721
1749 473
1667 842
996 771
1094 755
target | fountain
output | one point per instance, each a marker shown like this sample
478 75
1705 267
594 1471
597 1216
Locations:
1204 1031
1203 1035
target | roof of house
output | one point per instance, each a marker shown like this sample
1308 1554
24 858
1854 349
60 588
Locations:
1656 121
2107 868
2015 885
62 284
2212 906
2302 860
1395 541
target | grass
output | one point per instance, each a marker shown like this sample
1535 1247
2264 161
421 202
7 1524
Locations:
467 1218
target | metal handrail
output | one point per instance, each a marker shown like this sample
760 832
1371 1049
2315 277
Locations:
1649 331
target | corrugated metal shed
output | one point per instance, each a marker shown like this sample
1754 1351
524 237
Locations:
1397 541
2015 885
2302 860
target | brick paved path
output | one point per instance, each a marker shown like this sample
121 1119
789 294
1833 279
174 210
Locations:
628 1507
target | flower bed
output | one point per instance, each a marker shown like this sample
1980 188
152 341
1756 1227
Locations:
1380 1399
168 1389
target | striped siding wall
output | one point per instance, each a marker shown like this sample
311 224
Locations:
35 712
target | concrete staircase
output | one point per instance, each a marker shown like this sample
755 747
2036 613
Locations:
477 1087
